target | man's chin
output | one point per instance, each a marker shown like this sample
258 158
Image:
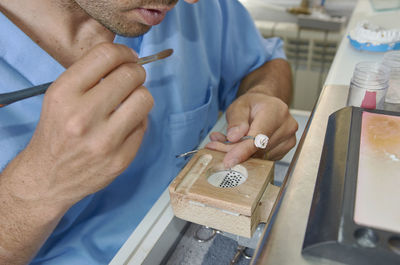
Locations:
130 31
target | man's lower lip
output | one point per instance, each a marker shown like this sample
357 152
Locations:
150 17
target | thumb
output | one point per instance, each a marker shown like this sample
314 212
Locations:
237 117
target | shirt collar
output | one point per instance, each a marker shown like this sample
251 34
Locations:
25 56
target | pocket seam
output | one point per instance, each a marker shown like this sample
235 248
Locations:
179 119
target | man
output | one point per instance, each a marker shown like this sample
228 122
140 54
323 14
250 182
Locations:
83 164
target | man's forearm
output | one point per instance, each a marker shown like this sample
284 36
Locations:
274 78
24 224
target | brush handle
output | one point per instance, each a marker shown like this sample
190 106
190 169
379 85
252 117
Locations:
8 98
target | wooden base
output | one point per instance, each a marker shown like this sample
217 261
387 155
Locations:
197 198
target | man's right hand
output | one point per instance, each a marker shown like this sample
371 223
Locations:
91 126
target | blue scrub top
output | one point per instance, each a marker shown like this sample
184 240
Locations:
215 44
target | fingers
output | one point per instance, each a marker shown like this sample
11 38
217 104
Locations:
93 120
132 112
93 66
283 133
239 153
266 115
219 146
217 136
278 152
130 146
263 119
236 153
123 155
238 122
115 87
100 81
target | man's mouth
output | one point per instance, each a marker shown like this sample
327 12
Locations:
151 16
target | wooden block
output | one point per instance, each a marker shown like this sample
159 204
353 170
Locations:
234 200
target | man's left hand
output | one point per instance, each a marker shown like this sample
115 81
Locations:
251 114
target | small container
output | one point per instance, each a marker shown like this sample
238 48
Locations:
369 85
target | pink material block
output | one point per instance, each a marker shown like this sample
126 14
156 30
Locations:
369 101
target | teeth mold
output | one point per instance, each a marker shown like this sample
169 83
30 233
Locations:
370 37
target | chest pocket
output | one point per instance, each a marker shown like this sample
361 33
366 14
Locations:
188 129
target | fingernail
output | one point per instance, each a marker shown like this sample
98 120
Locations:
232 131
231 163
